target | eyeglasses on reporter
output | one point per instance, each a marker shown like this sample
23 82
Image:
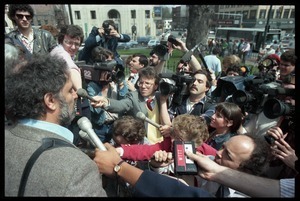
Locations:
147 84
71 43
21 16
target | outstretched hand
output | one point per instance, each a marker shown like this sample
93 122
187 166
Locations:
208 168
106 160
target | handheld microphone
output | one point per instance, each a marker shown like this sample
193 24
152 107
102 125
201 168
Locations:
143 117
86 137
86 126
83 93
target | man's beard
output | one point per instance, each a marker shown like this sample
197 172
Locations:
153 64
66 115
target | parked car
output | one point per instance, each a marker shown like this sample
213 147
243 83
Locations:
153 43
127 45
123 45
133 43
143 40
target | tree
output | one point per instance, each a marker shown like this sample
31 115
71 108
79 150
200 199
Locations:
166 13
198 24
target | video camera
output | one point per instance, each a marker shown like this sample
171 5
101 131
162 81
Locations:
258 95
227 85
102 71
179 89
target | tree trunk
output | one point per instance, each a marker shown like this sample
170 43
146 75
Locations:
198 25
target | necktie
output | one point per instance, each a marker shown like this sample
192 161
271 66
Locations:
149 102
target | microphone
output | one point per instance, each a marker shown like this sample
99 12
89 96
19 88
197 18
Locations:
86 126
143 117
83 93
86 137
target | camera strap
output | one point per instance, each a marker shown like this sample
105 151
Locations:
47 143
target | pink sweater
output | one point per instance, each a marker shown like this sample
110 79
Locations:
140 152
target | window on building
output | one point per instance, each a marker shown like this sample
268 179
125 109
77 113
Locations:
286 13
93 14
77 15
147 13
262 14
133 14
278 14
252 14
39 22
245 14
226 16
46 21
292 13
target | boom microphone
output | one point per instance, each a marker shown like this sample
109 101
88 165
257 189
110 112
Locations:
83 93
143 117
86 126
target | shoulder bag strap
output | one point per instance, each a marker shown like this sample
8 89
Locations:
48 143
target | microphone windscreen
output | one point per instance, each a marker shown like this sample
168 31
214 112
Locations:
82 92
141 115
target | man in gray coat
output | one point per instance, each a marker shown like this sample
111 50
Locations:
39 99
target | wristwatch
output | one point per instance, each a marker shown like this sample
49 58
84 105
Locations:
117 168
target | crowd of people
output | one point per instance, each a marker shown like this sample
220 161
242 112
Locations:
235 138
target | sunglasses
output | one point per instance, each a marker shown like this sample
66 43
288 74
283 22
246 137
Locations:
20 16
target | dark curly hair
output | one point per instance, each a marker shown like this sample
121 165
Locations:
70 30
260 157
132 129
25 89
13 8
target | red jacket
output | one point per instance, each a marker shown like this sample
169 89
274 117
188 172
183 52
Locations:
140 152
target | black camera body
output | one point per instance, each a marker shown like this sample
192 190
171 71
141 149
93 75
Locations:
173 40
106 28
102 71
179 89
182 164
259 95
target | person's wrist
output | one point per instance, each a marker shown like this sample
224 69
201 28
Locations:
118 167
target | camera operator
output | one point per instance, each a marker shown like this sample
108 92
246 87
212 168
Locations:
260 123
106 36
282 136
194 102
109 86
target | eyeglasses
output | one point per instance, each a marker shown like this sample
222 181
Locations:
20 17
71 43
147 84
